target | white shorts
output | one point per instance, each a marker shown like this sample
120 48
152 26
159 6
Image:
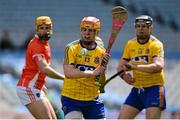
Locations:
29 95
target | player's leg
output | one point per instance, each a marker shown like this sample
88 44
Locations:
93 109
36 102
132 106
153 113
128 112
74 115
51 109
53 114
156 102
40 109
71 108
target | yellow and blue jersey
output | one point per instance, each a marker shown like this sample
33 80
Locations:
143 54
81 88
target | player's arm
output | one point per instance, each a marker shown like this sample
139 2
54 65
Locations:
157 60
122 64
156 66
71 71
47 69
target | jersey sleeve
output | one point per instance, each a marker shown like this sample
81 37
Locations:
125 54
69 57
37 53
158 49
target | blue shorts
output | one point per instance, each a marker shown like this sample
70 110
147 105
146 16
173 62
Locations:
90 109
142 98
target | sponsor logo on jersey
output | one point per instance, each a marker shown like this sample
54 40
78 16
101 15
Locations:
143 59
85 67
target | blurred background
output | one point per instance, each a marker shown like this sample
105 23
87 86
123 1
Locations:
17 28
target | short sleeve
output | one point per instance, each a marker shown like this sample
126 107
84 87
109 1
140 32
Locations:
69 57
36 52
125 54
158 49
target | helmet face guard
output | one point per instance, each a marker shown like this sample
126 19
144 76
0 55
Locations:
91 23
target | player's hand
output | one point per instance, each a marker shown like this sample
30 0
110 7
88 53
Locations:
96 72
128 78
130 66
105 59
100 69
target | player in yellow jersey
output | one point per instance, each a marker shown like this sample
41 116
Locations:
82 63
144 55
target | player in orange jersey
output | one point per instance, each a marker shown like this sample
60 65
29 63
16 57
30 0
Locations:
37 66
144 55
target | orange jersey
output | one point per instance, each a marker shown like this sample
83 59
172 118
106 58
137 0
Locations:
31 75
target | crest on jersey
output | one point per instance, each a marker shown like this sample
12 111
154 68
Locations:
96 60
140 51
87 59
147 51
64 108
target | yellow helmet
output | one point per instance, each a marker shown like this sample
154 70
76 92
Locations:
91 22
43 20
